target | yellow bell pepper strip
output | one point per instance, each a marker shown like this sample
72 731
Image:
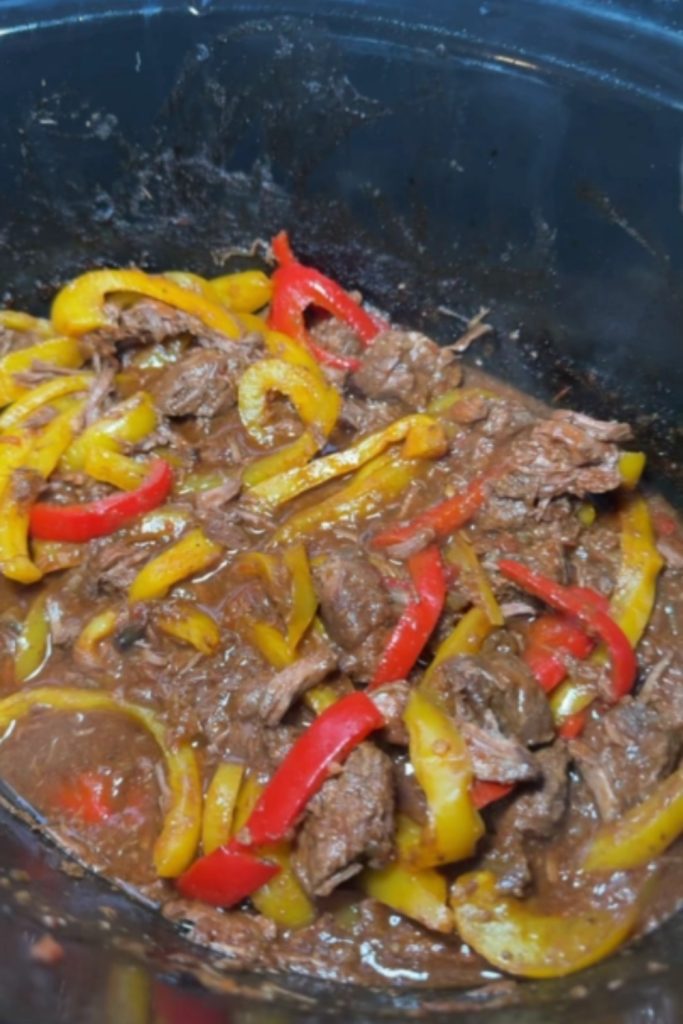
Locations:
243 292
290 456
14 320
165 521
442 767
33 643
324 695
461 554
631 603
192 282
280 346
45 448
128 996
415 431
642 833
316 402
219 805
191 554
190 625
54 556
516 937
105 516
109 467
261 565
297 287
179 836
374 485
466 638
42 395
80 306
419 894
587 606
586 513
196 483
418 620
631 466
62 352
97 629
128 422
304 601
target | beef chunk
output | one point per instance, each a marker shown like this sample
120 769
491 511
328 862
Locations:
537 811
350 822
391 701
270 700
624 755
200 384
113 565
565 454
499 689
495 757
406 365
353 599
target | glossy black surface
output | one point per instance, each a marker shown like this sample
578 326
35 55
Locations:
524 156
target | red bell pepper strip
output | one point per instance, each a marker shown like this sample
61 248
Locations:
573 725
232 872
439 520
296 287
226 876
324 745
588 607
87 797
418 620
549 639
484 792
98 518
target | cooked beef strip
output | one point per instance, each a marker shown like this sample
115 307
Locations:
496 757
271 701
200 384
495 688
622 756
538 809
391 701
353 599
349 823
408 366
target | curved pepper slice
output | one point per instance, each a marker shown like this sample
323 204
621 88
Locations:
419 894
62 352
190 625
642 833
15 320
418 620
290 484
111 467
584 605
296 287
126 423
462 554
95 630
99 518
243 292
79 306
191 554
219 805
517 938
42 395
317 403
443 769
177 842
32 647
378 482
439 520
630 606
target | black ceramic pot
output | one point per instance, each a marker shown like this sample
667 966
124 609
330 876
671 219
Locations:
524 156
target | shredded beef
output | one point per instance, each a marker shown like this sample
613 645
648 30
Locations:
350 822
353 599
495 757
624 755
408 366
391 701
496 688
269 700
200 384
538 810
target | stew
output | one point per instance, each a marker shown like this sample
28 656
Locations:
358 662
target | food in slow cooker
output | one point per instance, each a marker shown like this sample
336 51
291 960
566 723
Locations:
357 661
